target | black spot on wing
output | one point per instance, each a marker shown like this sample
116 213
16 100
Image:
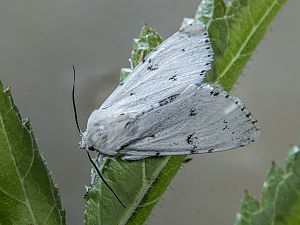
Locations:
202 72
193 151
173 78
225 127
127 124
152 67
168 100
193 112
190 139
214 93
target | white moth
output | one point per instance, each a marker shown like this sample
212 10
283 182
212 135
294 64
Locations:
164 107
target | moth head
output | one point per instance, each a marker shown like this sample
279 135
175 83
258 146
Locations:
93 139
84 146
95 135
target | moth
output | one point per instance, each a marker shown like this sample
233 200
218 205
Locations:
164 107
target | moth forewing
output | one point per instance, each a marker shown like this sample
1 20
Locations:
164 107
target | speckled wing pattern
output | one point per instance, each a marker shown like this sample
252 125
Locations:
199 120
168 109
179 61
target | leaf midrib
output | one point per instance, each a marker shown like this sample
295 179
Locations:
243 46
27 203
142 192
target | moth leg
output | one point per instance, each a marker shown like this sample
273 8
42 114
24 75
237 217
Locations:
98 162
135 157
131 64
99 158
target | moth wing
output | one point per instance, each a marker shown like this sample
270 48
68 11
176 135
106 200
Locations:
179 61
199 120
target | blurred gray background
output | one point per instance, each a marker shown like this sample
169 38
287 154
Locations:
40 40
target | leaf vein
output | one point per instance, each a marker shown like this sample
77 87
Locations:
31 164
11 196
48 215
247 40
27 203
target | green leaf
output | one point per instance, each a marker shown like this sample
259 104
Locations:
27 192
147 41
142 46
135 178
234 30
280 197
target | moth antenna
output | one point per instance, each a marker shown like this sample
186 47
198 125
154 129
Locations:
73 100
102 178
